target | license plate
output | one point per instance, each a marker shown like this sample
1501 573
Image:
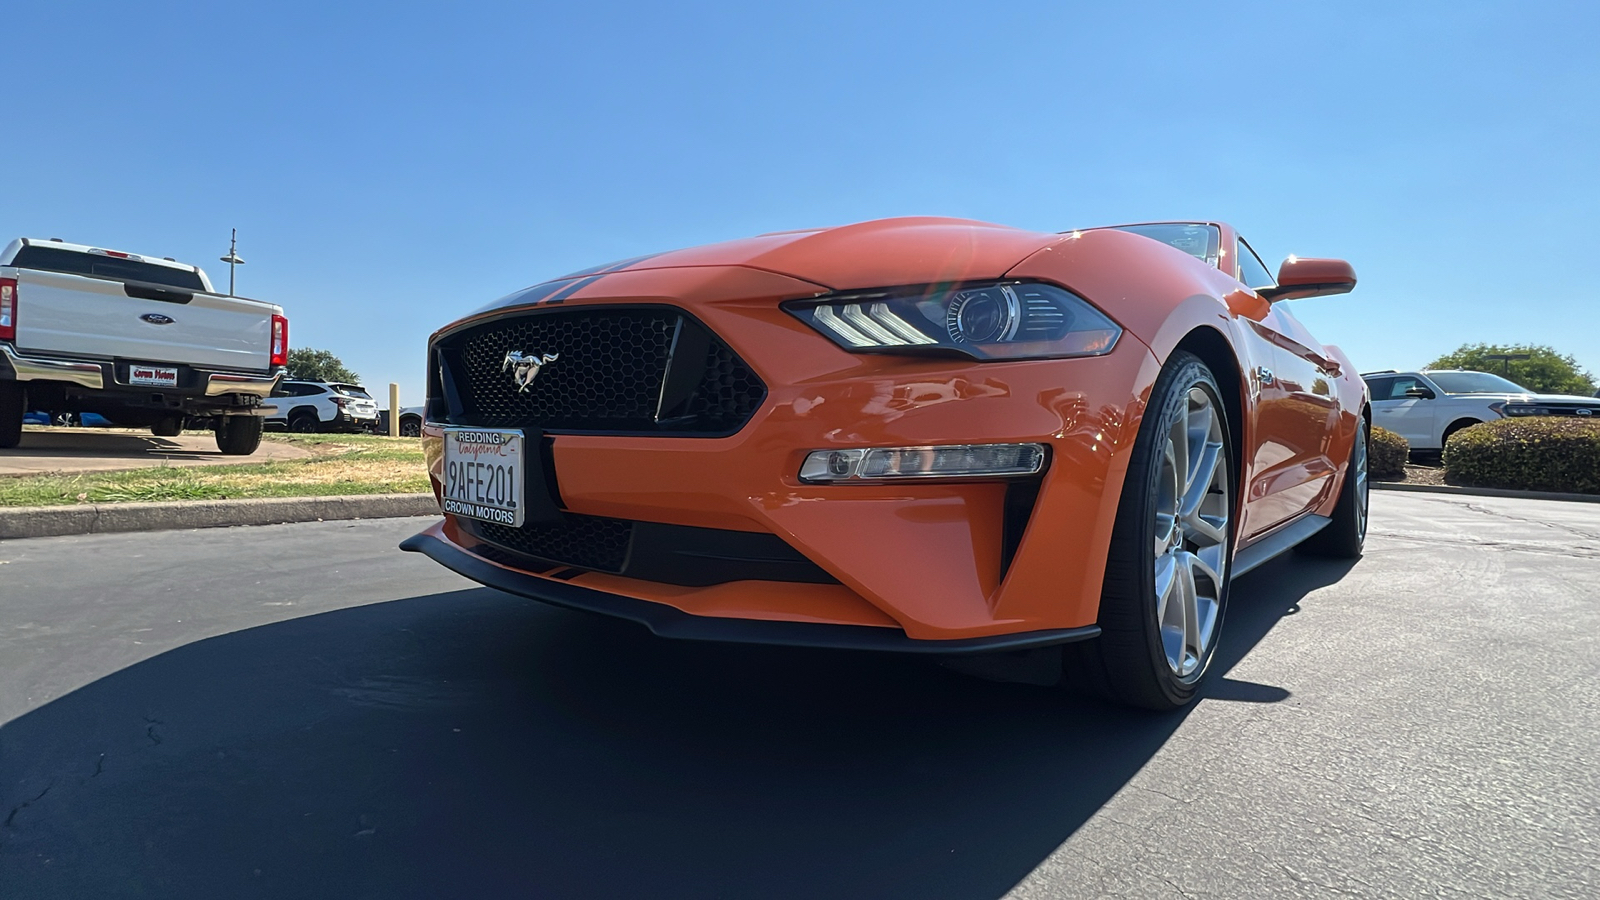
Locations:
483 475
153 376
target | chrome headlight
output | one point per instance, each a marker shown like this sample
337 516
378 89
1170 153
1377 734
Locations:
1008 320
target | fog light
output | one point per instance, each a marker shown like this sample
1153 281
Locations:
889 463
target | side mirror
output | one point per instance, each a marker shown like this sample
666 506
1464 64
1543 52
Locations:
1311 278
1420 391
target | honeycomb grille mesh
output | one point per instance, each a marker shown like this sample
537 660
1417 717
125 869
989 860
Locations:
607 376
589 542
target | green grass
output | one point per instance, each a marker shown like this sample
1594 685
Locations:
341 464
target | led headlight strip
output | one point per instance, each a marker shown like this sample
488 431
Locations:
1008 320
895 463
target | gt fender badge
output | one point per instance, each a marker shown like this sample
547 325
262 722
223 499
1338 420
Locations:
524 368
157 319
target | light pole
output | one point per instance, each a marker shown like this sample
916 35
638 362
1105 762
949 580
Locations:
232 259
1505 360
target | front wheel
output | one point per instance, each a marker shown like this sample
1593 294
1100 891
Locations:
410 426
1166 581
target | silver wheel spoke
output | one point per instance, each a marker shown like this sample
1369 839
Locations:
1191 532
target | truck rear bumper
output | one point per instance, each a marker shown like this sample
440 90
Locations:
23 368
197 387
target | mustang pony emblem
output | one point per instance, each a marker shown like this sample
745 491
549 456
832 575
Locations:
525 368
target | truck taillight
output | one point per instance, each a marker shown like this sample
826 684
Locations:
8 309
280 341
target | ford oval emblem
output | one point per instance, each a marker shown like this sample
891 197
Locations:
157 319
1585 412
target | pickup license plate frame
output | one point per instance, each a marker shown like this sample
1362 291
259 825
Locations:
141 375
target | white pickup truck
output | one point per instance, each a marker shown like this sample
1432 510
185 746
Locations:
142 341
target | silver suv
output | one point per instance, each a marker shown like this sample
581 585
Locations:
1427 407
310 406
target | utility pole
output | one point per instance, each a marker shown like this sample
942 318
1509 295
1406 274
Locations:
232 259
1505 360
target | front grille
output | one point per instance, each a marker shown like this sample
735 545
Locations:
616 369
588 542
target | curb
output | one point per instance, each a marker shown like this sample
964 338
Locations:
1482 492
100 518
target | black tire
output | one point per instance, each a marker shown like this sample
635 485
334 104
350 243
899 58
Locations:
410 426
1129 662
239 435
169 426
13 405
304 423
1346 536
1455 428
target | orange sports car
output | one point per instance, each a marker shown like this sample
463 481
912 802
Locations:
922 435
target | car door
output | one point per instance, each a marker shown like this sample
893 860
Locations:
1291 470
1408 415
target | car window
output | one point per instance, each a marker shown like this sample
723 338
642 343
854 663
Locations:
351 390
1402 383
1252 271
1475 383
1380 387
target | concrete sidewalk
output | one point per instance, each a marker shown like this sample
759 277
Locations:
72 450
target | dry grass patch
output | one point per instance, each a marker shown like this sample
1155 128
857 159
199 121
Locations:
342 464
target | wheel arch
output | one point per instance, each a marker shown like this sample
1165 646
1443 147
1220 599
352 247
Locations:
1217 353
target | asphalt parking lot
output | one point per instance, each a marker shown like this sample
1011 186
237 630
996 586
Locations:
301 710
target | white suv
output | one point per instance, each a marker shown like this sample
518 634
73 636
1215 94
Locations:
308 406
1427 407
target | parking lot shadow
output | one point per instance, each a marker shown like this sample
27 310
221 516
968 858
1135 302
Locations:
476 744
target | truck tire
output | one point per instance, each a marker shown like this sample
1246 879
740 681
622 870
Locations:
169 426
239 435
12 406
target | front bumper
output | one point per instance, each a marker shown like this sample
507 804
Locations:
924 562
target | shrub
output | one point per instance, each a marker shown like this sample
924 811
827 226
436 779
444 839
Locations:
1534 454
1387 453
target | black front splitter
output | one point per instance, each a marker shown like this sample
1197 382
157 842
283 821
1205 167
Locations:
665 621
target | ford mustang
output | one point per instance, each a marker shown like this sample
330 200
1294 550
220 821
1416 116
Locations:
922 435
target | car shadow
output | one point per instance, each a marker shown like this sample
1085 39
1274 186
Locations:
477 744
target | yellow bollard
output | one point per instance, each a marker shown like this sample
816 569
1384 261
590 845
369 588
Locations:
394 409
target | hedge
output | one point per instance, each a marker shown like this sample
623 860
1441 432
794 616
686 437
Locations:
1387 453
1532 454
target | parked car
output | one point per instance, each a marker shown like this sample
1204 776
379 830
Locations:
410 421
311 406
142 341
924 435
1429 406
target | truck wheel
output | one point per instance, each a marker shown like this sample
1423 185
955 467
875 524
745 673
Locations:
170 426
410 426
12 406
303 423
239 435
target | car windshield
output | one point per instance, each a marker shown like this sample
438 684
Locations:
1199 241
1475 383
352 390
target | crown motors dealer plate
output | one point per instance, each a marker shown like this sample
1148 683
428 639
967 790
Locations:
483 475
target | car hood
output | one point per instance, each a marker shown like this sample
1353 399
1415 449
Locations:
1546 398
880 253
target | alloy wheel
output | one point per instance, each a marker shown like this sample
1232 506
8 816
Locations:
1358 466
1192 511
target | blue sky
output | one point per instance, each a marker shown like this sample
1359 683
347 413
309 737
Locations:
393 166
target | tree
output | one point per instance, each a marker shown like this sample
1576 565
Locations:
1545 372
306 364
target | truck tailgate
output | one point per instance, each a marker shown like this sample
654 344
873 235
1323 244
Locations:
97 317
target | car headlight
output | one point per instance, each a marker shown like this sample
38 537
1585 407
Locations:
1008 320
